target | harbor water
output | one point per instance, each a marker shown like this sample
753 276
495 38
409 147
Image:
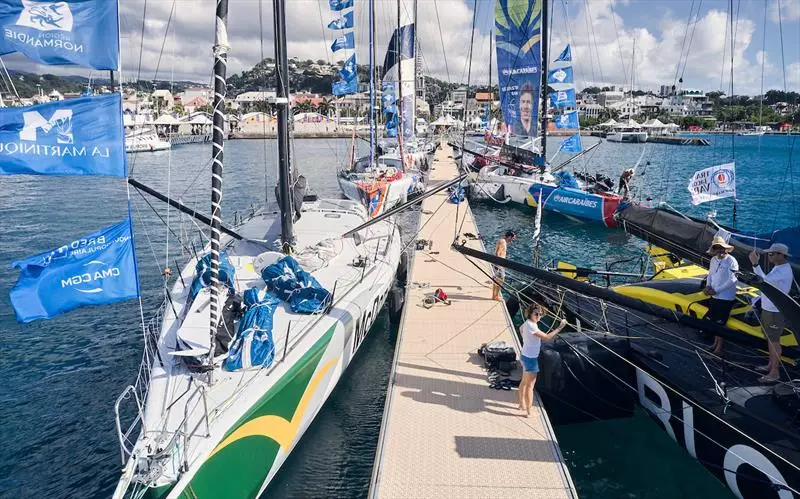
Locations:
62 376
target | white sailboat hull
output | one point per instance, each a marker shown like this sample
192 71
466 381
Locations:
634 137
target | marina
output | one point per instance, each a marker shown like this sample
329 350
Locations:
474 437
408 282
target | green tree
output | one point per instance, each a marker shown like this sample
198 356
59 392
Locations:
178 108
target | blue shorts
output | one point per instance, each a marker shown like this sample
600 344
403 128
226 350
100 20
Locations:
529 364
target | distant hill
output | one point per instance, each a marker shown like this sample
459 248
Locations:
27 84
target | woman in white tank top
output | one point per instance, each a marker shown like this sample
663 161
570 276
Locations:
532 338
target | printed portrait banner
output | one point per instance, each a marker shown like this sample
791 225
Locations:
82 32
518 26
82 136
713 183
96 269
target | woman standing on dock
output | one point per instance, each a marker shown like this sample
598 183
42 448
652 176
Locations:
532 338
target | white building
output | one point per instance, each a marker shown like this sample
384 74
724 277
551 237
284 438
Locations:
164 99
609 97
590 109
626 108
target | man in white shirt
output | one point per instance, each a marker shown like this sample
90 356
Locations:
771 318
721 285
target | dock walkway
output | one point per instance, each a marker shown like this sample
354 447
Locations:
445 433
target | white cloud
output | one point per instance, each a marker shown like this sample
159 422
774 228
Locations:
784 10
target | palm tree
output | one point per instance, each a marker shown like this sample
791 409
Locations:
324 107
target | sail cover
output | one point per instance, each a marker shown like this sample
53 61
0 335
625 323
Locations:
518 34
399 65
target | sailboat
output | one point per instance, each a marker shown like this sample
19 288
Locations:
255 333
523 173
386 180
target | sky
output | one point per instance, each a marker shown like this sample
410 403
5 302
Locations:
672 38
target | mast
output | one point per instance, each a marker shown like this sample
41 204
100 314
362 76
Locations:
398 48
491 36
218 138
543 92
372 124
282 103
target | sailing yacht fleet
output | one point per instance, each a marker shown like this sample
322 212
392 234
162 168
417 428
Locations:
260 325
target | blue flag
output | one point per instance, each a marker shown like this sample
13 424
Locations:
344 22
563 98
343 42
93 270
565 56
567 120
572 143
348 71
83 32
345 87
337 5
560 75
82 136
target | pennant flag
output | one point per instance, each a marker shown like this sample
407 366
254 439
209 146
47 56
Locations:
567 120
85 33
344 22
713 183
82 136
348 70
345 87
343 42
563 98
94 270
337 5
559 76
565 56
572 143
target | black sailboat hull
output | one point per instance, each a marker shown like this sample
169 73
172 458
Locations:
751 428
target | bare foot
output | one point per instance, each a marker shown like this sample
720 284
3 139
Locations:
497 298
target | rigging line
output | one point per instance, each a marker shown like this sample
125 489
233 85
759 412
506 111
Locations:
590 22
619 44
162 219
14 88
163 42
466 108
141 43
691 38
589 43
683 43
724 54
441 39
264 121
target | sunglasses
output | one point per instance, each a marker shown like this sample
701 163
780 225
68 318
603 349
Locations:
717 247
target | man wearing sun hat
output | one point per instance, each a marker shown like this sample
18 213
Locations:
721 285
771 318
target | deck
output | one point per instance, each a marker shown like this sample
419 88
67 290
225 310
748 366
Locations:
445 433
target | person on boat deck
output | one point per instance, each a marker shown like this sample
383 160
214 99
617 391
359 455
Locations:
499 273
721 285
624 182
532 338
525 110
772 320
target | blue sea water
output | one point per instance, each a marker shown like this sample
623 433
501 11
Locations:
62 376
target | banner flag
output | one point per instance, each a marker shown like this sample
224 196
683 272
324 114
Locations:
518 35
572 143
713 183
560 75
565 56
348 70
344 22
337 5
94 270
83 32
82 136
345 87
567 120
343 42
561 99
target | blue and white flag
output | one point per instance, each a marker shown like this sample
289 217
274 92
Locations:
560 99
345 87
572 143
344 22
94 270
559 76
82 136
565 56
713 183
343 42
84 32
567 120
348 71
337 5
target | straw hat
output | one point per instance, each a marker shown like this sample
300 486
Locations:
778 248
719 241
